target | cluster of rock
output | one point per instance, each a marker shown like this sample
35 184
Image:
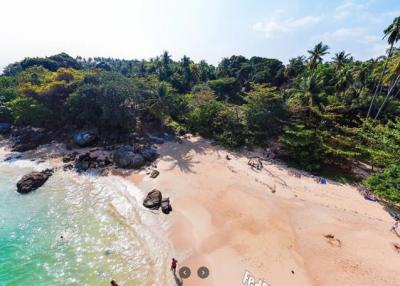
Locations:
135 157
154 201
33 180
129 156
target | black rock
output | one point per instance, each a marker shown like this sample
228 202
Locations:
149 154
32 181
5 128
156 140
166 206
153 200
29 138
125 157
154 174
84 139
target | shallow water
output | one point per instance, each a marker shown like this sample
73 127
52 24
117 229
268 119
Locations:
106 234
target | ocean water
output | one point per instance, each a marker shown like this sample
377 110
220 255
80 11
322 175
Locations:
106 233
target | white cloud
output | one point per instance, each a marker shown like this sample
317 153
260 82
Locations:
343 34
355 34
345 9
378 50
277 24
370 38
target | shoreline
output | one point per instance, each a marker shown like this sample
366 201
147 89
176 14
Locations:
226 217
283 229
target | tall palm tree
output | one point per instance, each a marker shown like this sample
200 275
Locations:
392 32
307 92
317 53
340 59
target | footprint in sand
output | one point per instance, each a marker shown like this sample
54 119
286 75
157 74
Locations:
396 247
332 240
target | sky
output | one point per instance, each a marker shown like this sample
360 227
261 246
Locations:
201 29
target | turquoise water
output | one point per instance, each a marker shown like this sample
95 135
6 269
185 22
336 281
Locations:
104 231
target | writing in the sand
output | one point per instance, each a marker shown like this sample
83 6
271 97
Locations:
249 280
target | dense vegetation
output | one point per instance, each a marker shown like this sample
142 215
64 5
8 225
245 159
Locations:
318 113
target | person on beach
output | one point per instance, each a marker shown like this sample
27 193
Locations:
113 283
173 265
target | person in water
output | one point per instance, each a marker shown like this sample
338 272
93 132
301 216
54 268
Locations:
173 265
113 283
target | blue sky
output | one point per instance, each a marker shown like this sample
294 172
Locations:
202 29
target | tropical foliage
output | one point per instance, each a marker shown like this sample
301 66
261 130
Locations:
319 113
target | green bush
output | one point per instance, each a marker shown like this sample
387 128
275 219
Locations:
27 111
386 184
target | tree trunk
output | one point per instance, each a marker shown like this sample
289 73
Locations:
379 85
387 96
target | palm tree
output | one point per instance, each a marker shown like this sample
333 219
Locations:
307 93
340 59
317 53
392 32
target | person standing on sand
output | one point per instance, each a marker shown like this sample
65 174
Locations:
173 265
396 228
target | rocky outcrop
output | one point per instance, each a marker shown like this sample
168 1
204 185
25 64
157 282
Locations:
84 138
166 206
32 181
5 128
153 200
29 138
154 174
149 154
87 161
128 157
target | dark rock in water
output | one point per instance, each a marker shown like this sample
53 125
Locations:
166 206
125 157
154 174
84 139
68 167
153 200
5 128
32 181
84 162
149 154
13 157
69 157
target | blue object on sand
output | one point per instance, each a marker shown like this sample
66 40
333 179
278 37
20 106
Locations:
323 181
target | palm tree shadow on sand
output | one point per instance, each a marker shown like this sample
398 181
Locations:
178 281
180 154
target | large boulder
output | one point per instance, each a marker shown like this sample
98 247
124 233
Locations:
32 181
29 138
153 200
137 161
5 128
84 138
125 157
149 154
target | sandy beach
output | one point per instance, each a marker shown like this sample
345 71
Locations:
278 227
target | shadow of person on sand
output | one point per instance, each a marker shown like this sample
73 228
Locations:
178 281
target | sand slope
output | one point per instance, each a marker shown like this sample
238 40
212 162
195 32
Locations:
227 218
